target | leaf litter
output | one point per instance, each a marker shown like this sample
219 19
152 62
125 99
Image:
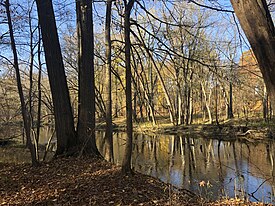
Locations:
83 181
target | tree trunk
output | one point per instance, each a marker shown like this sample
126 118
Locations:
190 119
216 99
109 126
265 105
179 106
230 103
64 124
126 163
31 84
257 24
39 87
86 84
146 93
25 115
207 102
165 91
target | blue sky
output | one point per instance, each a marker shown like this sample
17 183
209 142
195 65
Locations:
66 10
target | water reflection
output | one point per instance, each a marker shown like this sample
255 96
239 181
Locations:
222 168
233 169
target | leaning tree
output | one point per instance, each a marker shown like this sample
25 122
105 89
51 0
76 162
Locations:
256 22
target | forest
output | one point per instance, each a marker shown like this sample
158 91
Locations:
137 102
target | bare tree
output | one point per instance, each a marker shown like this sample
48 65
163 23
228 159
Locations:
64 124
86 83
109 127
25 114
126 163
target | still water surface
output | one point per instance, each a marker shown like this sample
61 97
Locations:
227 168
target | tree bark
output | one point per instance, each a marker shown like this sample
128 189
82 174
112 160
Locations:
86 83
165 91
64 124
230 103
109 126
257 24
145 90
265 105
126 163
39 86
25 115
207 102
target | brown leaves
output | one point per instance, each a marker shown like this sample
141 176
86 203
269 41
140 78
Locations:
75 181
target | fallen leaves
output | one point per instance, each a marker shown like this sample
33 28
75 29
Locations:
74 181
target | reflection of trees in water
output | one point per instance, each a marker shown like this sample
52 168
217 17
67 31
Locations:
239 178
220 170
45 134
185 161
270 148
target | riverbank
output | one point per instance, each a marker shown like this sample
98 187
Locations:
66 181
84 181
251 130
87 181
229 130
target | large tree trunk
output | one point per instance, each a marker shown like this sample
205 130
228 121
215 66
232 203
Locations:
257 24
109 127
25 115
126 163
86 84
64 123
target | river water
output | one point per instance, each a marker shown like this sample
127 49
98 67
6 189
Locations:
208 167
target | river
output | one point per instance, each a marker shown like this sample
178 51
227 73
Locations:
208 167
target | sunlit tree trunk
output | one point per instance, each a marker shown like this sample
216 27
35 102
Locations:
86 84
109 126
189 101
189 120
164 88
160 78
25 115
216 99
145 93
179 106
64 124
257 24
265 105
207 102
